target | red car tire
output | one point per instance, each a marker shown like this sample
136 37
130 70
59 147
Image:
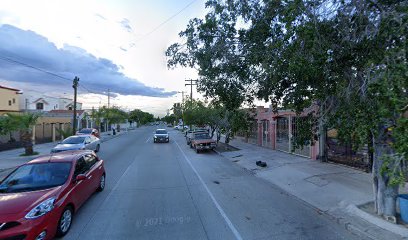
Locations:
65 221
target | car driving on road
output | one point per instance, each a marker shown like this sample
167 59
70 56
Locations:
38 199
161 135
79 142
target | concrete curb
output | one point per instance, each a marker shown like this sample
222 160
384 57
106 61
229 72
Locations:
354 210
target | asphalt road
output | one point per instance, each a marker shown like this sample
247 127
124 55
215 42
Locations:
167 191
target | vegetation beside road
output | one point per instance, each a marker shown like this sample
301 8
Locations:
24 124
213 114
346 60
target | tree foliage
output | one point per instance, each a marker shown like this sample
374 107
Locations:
23 123
348 59
141 117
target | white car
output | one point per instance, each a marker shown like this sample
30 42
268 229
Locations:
180 127
78 142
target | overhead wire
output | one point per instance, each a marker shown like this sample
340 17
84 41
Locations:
165 21
44 71
50 73
33 67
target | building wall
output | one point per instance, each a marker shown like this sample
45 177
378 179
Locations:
276 130
9 100
29 100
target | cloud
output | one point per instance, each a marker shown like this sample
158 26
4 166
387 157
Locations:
96 74
123 49
126 24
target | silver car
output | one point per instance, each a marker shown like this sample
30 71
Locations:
79 142
161 135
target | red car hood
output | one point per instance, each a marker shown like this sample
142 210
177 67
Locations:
199 141
12 203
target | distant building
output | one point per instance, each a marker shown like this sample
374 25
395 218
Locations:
9 99
40 102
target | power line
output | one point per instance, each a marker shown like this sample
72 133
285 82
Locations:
167 20
33 67
44 71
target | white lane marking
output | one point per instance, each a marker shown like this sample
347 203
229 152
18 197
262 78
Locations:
226 219
91 219
147 140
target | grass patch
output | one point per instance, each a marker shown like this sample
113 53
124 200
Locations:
26 155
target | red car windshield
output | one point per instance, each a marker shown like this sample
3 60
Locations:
32 177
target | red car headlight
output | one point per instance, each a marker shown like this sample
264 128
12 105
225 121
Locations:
41 209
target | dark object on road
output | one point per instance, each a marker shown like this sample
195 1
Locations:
261 164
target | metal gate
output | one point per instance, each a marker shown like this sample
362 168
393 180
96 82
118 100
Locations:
266 140
282 134
305 149
43 133
344 153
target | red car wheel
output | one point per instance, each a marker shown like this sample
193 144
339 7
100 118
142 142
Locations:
64 224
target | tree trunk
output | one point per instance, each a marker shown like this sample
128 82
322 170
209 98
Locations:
218 135
27 142
227 136
322 140
385 195
212 131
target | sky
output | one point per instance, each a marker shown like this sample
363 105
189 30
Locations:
111 45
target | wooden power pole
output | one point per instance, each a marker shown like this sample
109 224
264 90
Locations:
74 122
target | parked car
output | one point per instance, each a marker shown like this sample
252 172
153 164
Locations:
161 135
88 131
190 134
78 142
38 199
202 141
180 127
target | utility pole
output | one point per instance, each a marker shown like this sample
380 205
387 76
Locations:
75 86
191 84
182 102
108 98
107 114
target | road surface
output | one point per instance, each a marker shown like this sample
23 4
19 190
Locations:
167 191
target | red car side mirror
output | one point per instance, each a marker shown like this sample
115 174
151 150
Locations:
80 177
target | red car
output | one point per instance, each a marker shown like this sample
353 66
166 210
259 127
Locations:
38 199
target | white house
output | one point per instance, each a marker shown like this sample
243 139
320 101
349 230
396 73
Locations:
36 101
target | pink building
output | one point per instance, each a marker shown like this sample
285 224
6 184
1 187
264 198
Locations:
276 131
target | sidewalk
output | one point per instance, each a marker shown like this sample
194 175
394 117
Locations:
332 189
11 158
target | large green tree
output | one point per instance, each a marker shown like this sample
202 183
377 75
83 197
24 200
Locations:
141 117
345 59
